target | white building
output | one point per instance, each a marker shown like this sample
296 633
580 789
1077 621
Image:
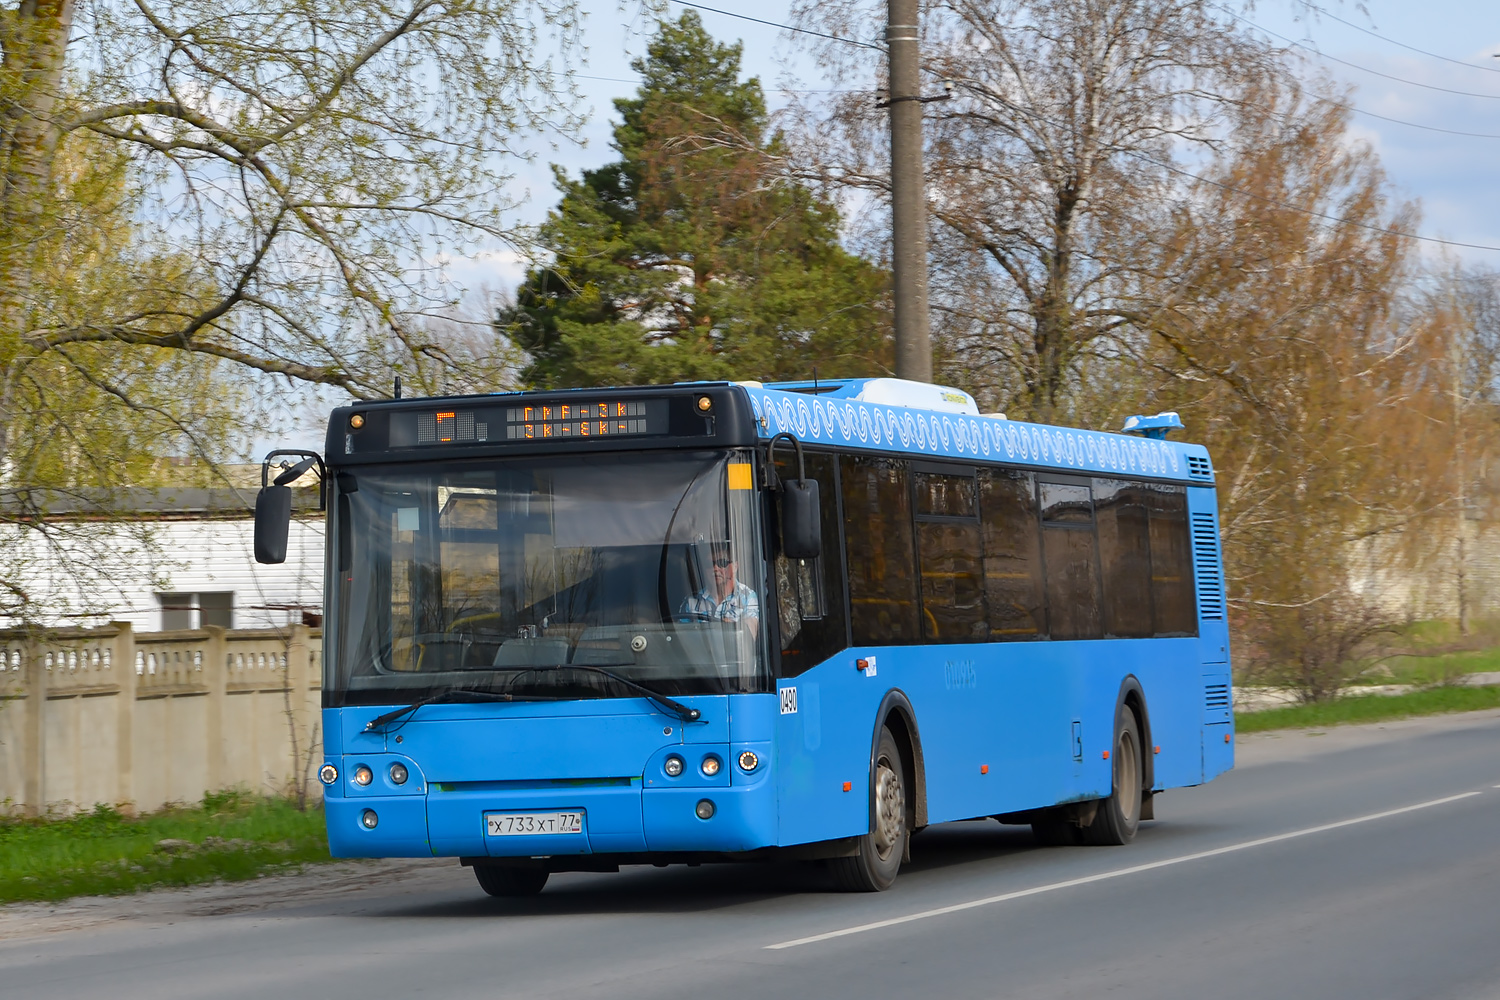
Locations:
162 559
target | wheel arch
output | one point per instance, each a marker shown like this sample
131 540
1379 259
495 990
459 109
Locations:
897 714
1131 696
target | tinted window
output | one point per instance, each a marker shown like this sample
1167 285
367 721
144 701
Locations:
1071 561
810 592
1172 598
1125 557
1012 555
948 552
879 550
1066 503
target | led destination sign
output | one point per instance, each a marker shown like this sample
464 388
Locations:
548 421
617 418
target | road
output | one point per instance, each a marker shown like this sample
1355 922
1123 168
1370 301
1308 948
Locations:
1364 862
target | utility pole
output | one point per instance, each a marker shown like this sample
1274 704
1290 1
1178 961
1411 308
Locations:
908 195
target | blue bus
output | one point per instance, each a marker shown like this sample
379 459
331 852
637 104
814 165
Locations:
573 630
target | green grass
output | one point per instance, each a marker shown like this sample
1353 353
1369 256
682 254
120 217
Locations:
1423 670
229 836
1370 708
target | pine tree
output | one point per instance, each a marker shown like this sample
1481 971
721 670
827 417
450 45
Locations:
695 255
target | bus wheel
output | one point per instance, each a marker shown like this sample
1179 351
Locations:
876 865
499 880
1120 815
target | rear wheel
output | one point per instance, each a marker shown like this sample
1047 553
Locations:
1119 816
878 862
498 880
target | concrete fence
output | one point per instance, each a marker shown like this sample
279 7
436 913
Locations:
140 720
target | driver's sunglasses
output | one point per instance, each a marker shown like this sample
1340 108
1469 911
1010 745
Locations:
721 563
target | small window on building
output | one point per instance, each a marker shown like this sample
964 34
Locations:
189 611
176 611
216 609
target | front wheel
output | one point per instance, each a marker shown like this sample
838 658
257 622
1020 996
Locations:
878 862
1119 816
498 880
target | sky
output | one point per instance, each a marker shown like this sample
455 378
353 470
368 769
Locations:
1451 176
1403 60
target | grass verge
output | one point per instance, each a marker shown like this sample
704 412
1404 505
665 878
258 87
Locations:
231 835
1370 708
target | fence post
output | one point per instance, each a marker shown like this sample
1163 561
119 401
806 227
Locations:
216 677
33 740
122 663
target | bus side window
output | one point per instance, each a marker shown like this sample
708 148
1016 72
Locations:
1125 557
1171 562
1012 555
1071 560
878 543
810 592
948 558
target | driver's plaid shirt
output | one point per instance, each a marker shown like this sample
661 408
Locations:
741 604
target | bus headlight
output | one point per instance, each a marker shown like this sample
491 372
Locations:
673 766
363 775
398 773
710 766
705 809
749 761
328 774
368 819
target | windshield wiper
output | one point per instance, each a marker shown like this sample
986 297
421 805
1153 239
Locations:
680 710
447 694
676 707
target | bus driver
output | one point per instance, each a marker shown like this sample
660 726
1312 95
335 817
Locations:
728 600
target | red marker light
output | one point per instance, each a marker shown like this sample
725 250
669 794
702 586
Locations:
984 769
848 785
1106 755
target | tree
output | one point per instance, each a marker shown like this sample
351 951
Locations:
298 167
203 201
1047 170
695 255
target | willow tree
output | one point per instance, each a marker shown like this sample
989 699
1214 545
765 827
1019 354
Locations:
202 201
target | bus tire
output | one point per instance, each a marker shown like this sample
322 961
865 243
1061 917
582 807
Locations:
500 880
878 861
1119 816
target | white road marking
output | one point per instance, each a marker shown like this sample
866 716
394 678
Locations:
1117 873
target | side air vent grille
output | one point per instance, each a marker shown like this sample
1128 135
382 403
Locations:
1216 706
1206 568
1198 467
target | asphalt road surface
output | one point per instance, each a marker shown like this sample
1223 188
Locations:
1363 862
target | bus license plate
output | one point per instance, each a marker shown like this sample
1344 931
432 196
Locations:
531 824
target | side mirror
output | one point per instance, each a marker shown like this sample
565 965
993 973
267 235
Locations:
273 522
273 504
801 530
801 527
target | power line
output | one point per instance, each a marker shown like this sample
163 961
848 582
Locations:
1353 65
783 27
1410 48
1184 173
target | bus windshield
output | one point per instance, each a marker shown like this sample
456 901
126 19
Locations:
517 575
